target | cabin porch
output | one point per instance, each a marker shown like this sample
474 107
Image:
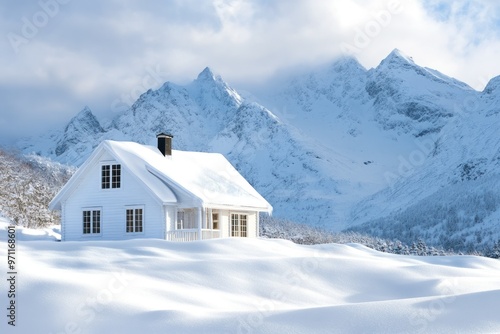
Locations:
195 224
190 224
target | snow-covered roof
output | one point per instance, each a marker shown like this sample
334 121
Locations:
208 177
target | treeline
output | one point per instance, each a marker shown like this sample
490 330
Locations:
27 185
271 227
463 217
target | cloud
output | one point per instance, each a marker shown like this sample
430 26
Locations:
101 53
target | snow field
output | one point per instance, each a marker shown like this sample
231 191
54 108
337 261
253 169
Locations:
244 286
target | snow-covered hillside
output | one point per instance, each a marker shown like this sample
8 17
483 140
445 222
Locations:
27 185
244 286
448 192
411 132
336 146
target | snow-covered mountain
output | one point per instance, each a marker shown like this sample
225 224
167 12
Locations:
451 194
337 146
208 115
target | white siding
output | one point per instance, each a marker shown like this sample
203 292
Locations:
113 203
224 223
251 225
63 226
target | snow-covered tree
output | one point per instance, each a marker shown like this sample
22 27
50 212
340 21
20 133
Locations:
271 227
27 185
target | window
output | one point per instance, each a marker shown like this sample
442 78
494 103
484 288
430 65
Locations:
105 175
215 221
243 225
180 220
91 221
134 220
116 173
235 226
238 225
110 176
186 219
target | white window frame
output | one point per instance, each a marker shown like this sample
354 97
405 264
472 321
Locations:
110 164
134 217
92 222
215 212
238 233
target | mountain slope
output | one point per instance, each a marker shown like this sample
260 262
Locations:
452 196
380 119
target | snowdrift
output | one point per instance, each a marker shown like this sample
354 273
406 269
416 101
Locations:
243 286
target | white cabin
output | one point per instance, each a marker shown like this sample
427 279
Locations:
127 190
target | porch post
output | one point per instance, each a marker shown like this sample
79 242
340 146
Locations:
257 217
200 222
210 223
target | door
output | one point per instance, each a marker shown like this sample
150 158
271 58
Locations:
238 225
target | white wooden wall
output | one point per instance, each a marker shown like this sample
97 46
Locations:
113 204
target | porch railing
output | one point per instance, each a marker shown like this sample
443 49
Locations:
192 235
210 234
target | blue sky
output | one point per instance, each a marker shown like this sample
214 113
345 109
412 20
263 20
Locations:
60 55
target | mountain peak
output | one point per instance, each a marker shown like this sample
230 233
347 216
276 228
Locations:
346 62
86 119
85 113
397 59
400 55
206 74
209 87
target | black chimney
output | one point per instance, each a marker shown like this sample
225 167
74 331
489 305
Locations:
165 144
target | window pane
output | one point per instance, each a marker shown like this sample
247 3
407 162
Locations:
116 176
235 229
243 225
135 220
138 220
215 221
105 177
86 222
130 220
96 220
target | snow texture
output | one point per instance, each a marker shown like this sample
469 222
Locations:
244 286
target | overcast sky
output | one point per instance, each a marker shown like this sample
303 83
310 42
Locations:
59 55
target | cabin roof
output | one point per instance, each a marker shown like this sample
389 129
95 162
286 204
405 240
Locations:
209 177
